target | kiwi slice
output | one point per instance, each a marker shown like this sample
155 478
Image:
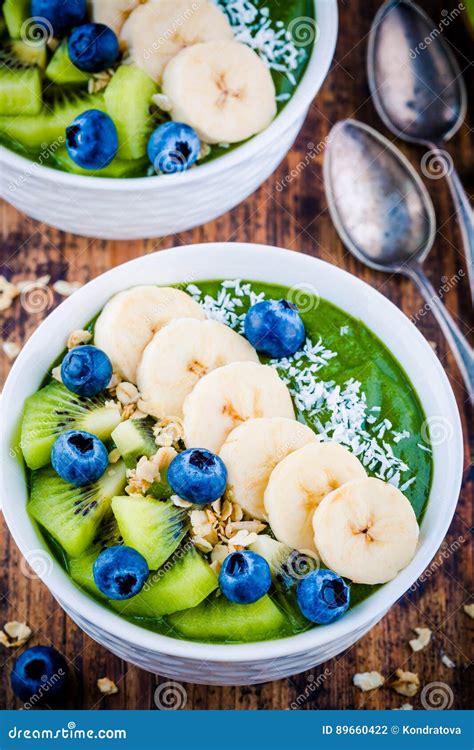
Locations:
154 528
183 582
134 439
48 127
217 620
61 69
28 54
53 410
20 87
81 568
71 514
16 12
128 99
116 168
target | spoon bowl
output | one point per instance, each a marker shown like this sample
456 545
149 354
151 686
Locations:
377 201
419 93
385 217
415 80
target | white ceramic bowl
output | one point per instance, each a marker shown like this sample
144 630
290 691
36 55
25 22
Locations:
158 206
258 662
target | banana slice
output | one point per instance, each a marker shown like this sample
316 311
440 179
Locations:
230 395
299 483
222 89
366 531
130 319
181 354
251 453
112 12
157 31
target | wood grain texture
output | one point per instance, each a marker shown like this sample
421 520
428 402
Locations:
296 218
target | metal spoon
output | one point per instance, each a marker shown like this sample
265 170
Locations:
385 217
419 93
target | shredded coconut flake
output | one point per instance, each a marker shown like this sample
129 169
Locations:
273 43
338 412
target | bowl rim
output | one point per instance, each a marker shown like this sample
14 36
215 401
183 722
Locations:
327 23
448 462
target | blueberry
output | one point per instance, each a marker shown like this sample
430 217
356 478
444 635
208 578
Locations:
92 139
79 457
173 147
120 572
198 476
93 47
38 673
61 15
323 596
275 328
86 370
245 577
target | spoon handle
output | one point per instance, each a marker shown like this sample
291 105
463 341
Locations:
460 348
465 216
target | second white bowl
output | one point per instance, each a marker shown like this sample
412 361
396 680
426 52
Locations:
164 205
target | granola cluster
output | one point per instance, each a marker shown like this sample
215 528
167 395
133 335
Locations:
221 529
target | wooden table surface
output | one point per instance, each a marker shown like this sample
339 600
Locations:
296 218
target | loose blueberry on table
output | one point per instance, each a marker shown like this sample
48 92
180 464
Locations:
39 672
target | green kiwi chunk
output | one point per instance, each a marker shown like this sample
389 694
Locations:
48 128
16 13
153 528
128 100
71 514
218 620
20 90
116 168
134 439
185 580
62 71
81 568
53 410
